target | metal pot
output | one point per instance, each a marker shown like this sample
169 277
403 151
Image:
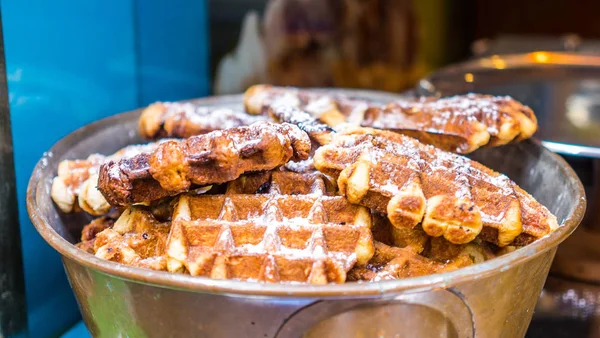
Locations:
492 299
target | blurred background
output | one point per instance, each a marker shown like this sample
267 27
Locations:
70 62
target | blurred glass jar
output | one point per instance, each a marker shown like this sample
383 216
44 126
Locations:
372 44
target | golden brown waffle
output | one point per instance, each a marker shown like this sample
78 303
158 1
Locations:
390 263
216 157
74 188
266 214
459 124
440 250
316 130
332 110
436 248
71 176
449 195
96 226
270 227
414 239
182 120
136 239
89 232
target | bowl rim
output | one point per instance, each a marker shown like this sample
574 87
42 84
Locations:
241 288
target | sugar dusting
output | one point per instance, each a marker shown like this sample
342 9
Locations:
118 160
208 118
458 115
489 192
274 224
79 170
302 119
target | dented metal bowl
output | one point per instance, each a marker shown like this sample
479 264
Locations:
492 299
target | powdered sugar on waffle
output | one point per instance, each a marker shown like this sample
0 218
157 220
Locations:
75 174
313 216
129 152
455 110
442 161
209 118
133 150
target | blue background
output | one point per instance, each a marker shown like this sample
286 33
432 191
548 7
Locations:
71 62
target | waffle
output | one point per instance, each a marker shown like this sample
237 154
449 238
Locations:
449 195
135 239
74 188
72 174
331 110
436 248
257 202
440 250
459 124
182 120
390 263
316 130
216 157
89 232
270 227
414 239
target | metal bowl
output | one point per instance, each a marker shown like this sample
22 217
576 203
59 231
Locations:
495 298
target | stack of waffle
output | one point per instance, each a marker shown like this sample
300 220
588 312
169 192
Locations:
300 188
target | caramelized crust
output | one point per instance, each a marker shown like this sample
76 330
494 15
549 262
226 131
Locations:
136 239
75 186
89 232
396 263
447 194
216 157
254 201
318 131
414 239
96 226
332 110
459 124
72 174
440 250
182 120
